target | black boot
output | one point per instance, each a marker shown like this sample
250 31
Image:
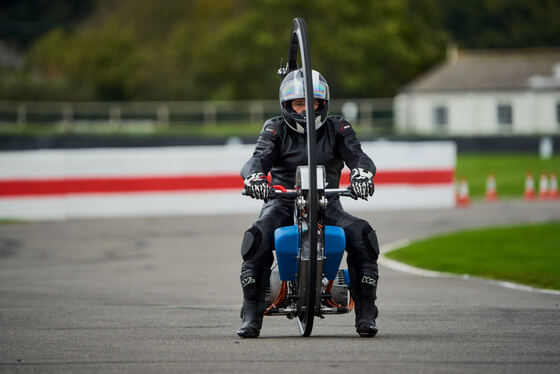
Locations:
252 319
365 320
363 292
254 293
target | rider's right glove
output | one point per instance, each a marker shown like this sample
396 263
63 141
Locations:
362 182
257 186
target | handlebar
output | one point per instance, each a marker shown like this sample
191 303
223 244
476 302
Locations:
277 192
341 192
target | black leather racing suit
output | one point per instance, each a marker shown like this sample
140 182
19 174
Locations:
279 150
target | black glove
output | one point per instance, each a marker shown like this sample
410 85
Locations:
362 183
257 186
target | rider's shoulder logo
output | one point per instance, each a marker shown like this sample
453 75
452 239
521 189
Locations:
270 129
345 126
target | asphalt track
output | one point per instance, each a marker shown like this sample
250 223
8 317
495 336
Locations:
163 295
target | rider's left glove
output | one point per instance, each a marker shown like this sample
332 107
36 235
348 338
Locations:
257 186
362 183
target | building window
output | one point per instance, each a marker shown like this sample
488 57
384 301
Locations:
505 116
558 113
440 117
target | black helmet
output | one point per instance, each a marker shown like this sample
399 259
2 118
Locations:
292 88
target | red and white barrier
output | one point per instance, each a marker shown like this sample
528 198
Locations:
113 182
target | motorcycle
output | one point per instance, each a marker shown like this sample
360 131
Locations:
308 282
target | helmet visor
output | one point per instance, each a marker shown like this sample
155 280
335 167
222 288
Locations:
293 88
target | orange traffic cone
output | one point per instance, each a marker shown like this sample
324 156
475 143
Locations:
553 190
543 186
491 193
529 187
463 193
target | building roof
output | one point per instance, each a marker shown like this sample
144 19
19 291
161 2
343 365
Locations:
483 70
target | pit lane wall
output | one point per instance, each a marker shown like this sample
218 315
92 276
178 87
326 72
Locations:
200 180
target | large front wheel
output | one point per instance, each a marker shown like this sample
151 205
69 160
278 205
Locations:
306 290
307 280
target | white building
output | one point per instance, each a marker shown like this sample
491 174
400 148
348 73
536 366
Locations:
484 92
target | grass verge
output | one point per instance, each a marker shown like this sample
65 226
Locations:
528 254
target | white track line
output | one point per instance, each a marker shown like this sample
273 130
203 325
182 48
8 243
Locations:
399 266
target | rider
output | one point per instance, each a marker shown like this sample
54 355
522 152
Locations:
281 147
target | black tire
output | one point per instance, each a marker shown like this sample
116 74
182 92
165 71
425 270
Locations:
306 290
308 282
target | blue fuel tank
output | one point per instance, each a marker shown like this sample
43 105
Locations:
286 245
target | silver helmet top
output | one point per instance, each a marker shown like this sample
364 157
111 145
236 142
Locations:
292 86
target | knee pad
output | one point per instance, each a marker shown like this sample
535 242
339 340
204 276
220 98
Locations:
251 240
370 240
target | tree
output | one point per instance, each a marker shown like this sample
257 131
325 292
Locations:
502 23
22 21
231 49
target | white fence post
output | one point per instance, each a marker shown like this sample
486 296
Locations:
115 115
21 115
163 116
